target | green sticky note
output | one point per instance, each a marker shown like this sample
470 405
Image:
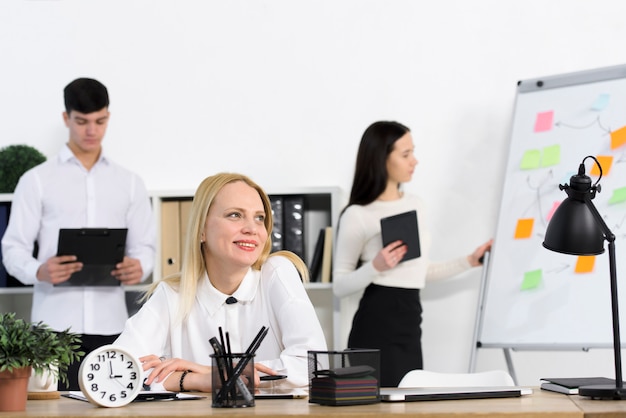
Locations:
532 279
551 155
531 159
619 196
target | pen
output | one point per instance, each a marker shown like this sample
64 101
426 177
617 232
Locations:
273 377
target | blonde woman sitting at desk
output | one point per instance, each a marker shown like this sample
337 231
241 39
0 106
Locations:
230 280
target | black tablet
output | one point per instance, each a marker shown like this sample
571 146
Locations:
402 226
99 249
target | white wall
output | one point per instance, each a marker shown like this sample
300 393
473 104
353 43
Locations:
282 90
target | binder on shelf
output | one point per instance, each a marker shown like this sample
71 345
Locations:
293 218
4 221
174 223
170 237
315 266
277 231
327 255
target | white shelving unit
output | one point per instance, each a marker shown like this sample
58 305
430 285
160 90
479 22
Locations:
322 206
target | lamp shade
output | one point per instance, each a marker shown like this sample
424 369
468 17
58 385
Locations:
573 230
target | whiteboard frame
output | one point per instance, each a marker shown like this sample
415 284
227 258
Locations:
529 86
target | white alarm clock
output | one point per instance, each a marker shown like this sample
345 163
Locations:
110 376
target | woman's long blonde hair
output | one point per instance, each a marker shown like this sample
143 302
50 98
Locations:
193 267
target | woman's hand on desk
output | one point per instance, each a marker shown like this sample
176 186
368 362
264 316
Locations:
169 372
262 368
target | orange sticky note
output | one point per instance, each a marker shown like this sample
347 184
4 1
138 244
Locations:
606 161
585 263
524 228
544 121
618 138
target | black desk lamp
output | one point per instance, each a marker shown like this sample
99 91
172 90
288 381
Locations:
577 228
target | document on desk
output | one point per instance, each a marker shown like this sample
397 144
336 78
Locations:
144 396
451 393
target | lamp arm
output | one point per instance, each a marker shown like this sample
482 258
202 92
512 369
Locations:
610 237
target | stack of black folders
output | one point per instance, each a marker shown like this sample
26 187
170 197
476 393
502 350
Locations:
230 376
352 385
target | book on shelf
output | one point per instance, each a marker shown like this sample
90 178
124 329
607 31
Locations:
570 385
327 255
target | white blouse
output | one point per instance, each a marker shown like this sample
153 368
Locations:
273 297
359 241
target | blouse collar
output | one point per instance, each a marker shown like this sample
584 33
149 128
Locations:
213 299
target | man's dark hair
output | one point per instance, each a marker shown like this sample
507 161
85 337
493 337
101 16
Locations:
85 95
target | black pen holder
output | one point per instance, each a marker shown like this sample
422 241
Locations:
229 388
349 377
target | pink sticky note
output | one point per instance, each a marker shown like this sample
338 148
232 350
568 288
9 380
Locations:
555 205
544 121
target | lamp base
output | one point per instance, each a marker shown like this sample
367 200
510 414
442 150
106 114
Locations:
603 392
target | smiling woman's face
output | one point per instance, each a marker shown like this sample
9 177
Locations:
234 232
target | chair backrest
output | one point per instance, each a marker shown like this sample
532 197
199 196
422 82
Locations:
424 378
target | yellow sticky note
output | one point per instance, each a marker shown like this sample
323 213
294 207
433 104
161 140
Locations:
530 159
551 155
618 196
524 228
618 138
585 263
606 161
532 279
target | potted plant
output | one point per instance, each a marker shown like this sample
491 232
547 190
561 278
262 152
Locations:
14 161
25 347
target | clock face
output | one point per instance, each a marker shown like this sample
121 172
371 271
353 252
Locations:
110 376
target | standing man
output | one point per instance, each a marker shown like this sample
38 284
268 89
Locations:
80 188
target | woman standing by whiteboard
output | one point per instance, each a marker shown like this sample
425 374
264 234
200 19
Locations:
390 314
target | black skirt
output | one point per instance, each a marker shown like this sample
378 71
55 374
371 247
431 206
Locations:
389 319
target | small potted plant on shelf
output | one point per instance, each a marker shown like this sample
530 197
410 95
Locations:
25 347
15 160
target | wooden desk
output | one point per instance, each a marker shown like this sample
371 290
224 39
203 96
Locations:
600 409
539 404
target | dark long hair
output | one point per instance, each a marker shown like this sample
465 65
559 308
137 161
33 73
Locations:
370 174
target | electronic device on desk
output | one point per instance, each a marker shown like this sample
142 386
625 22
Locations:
451 393
278 393
99 249
570 385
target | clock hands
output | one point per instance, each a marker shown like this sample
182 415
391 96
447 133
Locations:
111 375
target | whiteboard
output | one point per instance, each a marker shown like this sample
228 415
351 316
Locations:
535 298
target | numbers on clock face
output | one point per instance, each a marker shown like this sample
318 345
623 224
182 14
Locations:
111 377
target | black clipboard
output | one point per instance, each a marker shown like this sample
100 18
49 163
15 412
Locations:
402 226
99 249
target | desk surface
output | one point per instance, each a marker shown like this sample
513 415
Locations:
600 409
540 403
